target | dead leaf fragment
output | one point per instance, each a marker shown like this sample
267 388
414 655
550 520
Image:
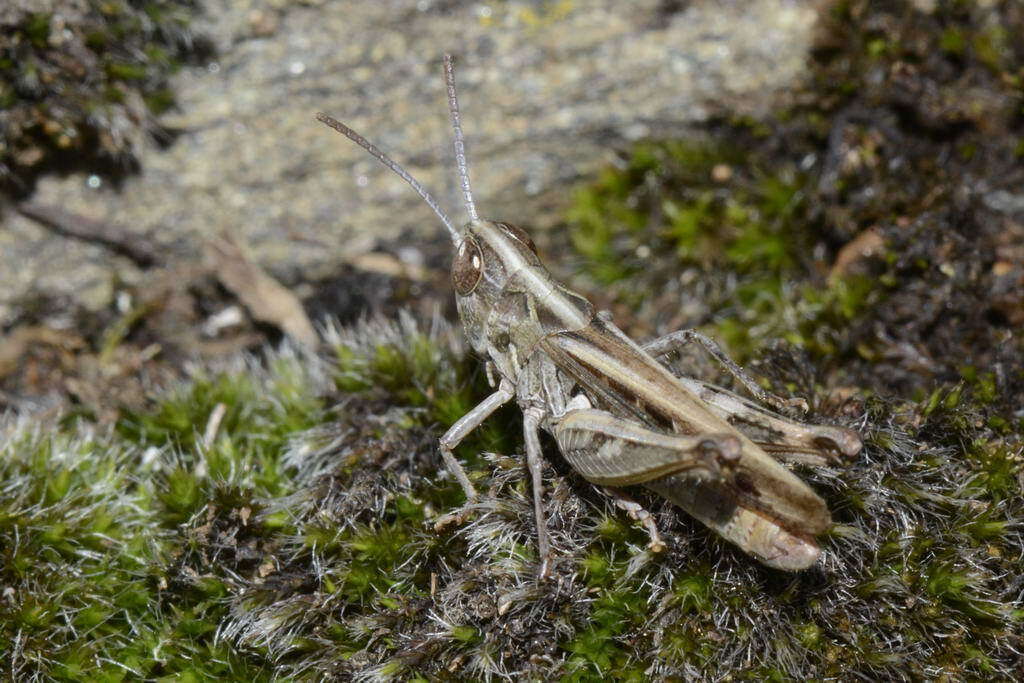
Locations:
864 246
266 299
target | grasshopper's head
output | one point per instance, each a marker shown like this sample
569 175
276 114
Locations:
506 297
488 275
495 271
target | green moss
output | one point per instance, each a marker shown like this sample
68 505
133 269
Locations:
597 214
113 513
415 371
953 40
465 634
596 568
81 559
281 407
877 47
126 71
613 216
597 648
997 469
378 547
389 367
181 493
991 47
613 529
956 588
693 592
37 29
809 636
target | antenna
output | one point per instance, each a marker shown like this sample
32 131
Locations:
460 146
401 172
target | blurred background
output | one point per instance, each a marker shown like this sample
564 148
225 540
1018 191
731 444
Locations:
843 176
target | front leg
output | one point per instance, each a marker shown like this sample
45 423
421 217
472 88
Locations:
674 341
466 424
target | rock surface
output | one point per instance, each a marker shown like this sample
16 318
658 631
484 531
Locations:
546 89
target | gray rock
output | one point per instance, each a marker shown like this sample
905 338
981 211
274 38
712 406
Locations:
545 89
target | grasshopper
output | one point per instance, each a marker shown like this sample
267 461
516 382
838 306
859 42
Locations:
619 416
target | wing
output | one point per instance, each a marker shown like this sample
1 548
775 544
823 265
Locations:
622 379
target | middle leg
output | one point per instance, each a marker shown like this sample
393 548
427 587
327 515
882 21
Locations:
531 425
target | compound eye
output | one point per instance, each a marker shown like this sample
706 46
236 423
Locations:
520 235
467 267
